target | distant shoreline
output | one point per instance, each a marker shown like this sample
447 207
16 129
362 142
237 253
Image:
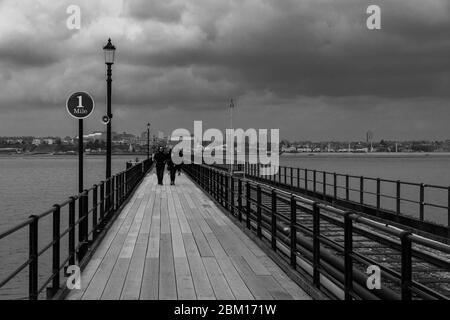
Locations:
283 155
368 155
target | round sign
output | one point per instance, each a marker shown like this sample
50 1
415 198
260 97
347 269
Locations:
80 105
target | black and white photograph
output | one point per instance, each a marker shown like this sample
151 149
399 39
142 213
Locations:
225 158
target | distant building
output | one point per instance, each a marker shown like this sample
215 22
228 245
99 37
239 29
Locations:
36 141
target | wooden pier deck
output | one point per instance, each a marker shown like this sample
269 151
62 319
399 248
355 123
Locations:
173 242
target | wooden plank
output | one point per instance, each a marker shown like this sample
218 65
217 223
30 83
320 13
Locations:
275 290
185 284
132 286
237 285
201 282
220 286
150 280
255 285
96 286
167 285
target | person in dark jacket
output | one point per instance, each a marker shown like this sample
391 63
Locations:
180 166
160 159
172 168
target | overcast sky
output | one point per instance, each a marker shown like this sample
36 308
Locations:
308 67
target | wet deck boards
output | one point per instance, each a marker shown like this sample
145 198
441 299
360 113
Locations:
173 242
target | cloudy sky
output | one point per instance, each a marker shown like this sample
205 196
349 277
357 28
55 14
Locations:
308 67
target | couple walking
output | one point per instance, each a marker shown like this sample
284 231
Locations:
161 159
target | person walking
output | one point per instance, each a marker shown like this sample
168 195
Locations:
180 166
172 168
160 159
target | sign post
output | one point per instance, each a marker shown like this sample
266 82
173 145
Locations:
80 105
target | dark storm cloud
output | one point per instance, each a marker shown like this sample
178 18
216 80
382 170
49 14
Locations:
30 53
326 49
278 57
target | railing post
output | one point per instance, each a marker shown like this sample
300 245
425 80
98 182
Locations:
285 175
448 212
314 180
422 200
258 211
240 199
82 225
335 185
293 233
298 178
406 273
279 175
378 194
33 257
232 195
55 249
113 193
227 191
306 181
316 244
102 200
274 220
292 177
248 204
361 190
72 257
398 198
94 212
348 251
324 182
347 187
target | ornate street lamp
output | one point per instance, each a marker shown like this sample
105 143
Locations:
109 50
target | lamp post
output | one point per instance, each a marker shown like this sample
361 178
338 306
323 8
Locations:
148 140
109 50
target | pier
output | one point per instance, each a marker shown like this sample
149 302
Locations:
217 235
173 242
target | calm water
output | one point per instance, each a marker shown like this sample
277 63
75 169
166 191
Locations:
31 185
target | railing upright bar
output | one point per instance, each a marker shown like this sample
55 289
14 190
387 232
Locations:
347 187
406 268
33 257
274 220
316 244
361 190
378 194
102 200
398 197
335 185
56 247
240 199
314 180
348 261
293 233
258 211
422 201
248 206
72 256
94 211
324 184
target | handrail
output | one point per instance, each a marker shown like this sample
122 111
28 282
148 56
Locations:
354 191
105 202
257 205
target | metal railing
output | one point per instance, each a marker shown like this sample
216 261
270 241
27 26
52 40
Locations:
422 206
103 207
303 233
